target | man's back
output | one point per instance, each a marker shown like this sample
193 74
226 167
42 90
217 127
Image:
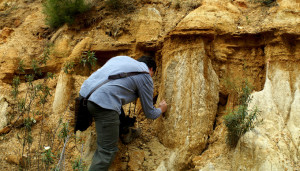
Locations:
113 66
115 93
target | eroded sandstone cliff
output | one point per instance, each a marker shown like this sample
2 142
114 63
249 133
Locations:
198 46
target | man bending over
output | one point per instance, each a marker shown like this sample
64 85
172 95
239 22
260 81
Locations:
106 101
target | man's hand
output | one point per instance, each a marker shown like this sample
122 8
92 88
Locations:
163 106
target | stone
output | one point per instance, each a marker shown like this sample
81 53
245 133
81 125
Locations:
83 45
136 160
17 22
6 32
123 166
61 47
13 159
190 87
62 93
210 18
150 26
22 44
285 18
3 112
241 3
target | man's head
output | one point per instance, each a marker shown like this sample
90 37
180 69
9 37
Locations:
149 62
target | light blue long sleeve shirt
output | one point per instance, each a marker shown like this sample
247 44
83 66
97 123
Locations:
115 93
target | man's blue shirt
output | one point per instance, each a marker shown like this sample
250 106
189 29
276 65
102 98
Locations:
115 93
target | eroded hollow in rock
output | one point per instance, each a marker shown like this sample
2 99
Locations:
104 56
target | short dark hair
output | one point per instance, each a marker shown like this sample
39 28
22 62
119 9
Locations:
149 61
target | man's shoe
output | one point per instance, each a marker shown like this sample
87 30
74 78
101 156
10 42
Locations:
132 134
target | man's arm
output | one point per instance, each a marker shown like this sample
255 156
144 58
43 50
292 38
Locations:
145 92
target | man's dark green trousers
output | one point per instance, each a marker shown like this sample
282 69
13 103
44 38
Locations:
107 127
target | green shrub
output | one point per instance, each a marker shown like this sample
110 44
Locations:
59 12
88 58
240 119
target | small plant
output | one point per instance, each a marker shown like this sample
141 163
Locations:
240 119
78 165
36 68
88 58
16 80
68 67
15 85
47 157
59 12
21 66
247 19
29 122
64 131
46 54
31 106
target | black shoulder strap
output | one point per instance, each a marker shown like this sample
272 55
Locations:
87 97
125 74
114 77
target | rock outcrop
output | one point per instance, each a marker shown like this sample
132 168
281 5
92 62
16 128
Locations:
274 144
198 47
3 114
190 86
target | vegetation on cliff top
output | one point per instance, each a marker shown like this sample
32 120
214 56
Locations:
59 12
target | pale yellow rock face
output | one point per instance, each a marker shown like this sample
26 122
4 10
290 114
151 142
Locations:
274 144
82 46
188 80
211 16
150 23
62 47
285 17
25 43
62 93
65 83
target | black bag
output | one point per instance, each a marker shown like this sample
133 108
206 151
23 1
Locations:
83 118
126 131
125 123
